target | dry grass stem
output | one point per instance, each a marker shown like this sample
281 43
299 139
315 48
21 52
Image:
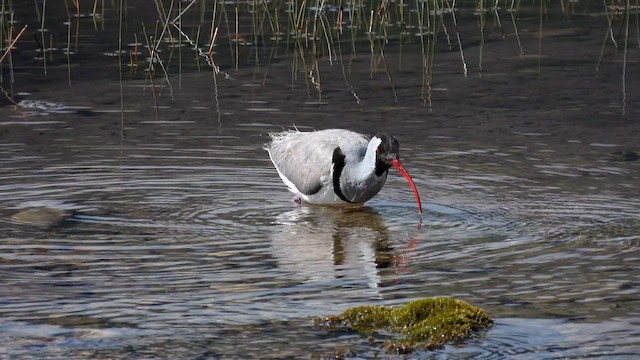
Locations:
13 42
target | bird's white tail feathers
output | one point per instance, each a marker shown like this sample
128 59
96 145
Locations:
279 136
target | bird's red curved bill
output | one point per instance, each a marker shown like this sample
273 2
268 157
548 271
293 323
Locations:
398 165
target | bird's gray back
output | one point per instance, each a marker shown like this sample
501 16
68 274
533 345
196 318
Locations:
305 158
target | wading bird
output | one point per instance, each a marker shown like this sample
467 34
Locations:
334 166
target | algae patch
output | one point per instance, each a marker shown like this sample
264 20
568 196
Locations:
422 324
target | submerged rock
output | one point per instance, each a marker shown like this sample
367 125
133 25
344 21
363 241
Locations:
422 324
41 217
626 155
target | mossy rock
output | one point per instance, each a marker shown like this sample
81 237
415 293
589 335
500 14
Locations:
422 324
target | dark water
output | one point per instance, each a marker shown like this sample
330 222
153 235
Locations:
184 244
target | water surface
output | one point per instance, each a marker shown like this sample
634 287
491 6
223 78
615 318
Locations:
183 242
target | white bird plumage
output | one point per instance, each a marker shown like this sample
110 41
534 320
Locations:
334 166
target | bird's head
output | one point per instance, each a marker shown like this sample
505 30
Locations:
387 151
387 155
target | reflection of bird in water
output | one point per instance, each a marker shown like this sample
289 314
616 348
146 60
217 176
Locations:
326 244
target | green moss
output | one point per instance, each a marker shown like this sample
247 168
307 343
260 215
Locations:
427 323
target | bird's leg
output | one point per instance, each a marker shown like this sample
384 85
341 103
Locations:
296 199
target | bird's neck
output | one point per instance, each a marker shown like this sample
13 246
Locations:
366 167
359 182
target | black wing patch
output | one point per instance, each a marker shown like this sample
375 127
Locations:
338 166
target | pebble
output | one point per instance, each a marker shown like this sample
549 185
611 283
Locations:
41 217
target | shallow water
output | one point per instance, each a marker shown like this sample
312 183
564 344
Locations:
183 242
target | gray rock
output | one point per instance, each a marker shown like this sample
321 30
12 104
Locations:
41 217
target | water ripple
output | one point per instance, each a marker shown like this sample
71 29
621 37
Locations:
160 243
